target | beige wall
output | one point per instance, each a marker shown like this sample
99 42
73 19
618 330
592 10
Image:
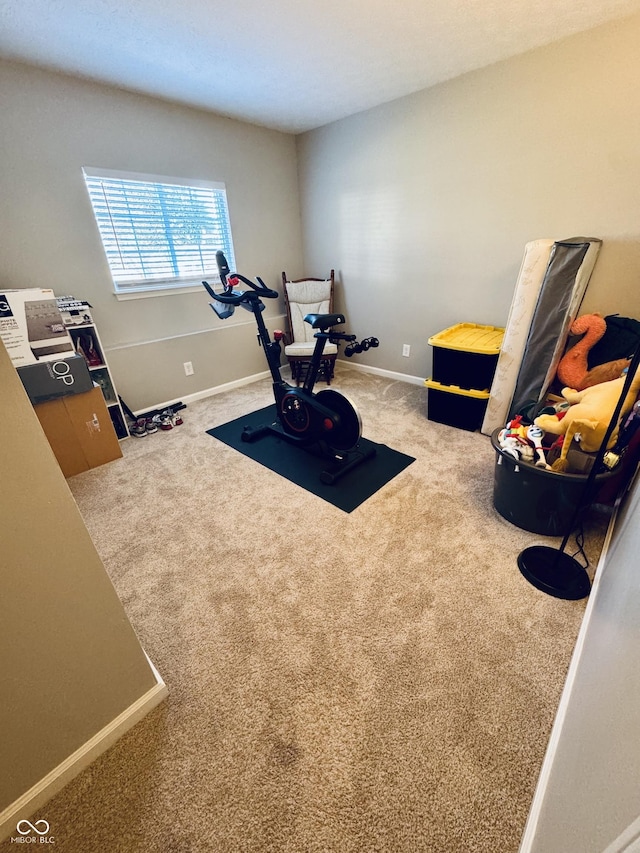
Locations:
424 205
70 662
52 126
588 794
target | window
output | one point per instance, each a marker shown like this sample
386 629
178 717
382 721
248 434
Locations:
159 234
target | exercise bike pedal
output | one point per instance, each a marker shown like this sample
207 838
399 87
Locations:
251 434
350 459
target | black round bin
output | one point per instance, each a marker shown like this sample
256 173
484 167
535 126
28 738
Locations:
536 499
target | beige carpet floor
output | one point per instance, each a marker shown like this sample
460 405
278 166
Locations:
383 681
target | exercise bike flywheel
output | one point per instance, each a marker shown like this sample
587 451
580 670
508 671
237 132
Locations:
348 434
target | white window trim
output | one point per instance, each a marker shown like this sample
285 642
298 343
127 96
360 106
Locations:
159 287
147 293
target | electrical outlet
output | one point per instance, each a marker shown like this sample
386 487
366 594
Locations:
188 368
406 350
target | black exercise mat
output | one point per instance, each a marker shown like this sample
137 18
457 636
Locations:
304 468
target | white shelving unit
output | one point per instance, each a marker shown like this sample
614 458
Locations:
78 319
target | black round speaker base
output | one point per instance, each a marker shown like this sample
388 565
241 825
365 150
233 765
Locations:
554 572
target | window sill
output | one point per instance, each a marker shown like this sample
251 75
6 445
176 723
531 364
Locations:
158 291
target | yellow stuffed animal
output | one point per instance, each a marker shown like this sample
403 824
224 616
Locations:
589 415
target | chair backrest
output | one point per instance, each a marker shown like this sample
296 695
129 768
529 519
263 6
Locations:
306 296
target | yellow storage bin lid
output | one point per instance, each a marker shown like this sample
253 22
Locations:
455 389
469 337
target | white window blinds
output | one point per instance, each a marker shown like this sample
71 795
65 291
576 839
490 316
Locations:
159 233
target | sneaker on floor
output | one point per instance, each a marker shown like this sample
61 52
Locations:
139 428
164 421
150 426
174 418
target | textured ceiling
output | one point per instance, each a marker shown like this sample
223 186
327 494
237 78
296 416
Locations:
292 65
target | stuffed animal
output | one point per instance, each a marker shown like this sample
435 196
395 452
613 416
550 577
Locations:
573 369
604 372
516 447
588 416
513 439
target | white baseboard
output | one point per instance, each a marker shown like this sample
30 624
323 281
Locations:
379 371
44 790
247 380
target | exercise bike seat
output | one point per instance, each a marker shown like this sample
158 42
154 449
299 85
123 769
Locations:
324 321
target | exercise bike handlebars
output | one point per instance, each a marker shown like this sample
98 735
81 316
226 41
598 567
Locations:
229 280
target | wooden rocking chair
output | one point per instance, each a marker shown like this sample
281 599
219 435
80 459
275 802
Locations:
307 296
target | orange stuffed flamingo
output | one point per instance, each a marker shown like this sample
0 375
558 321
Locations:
573 369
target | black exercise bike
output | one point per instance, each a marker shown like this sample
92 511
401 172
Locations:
325 422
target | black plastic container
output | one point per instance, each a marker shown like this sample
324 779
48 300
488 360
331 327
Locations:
466 355
454 406
536 499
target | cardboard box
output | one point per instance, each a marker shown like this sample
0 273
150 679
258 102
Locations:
80 431
31 326
48 380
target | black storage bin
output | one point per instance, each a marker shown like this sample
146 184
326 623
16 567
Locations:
466 355
454 406
536 499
